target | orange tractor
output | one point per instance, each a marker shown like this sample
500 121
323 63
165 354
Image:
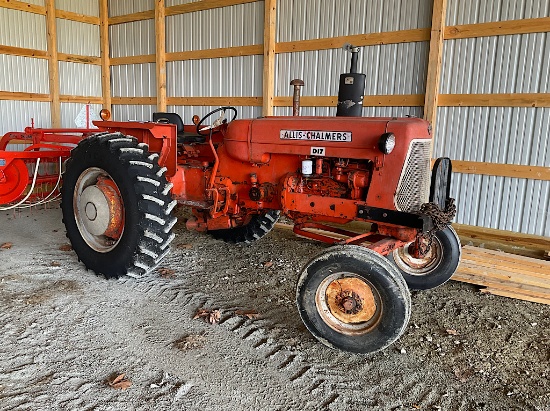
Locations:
120 187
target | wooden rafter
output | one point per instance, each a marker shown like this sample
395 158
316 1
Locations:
160 54
53 66
270 26
434 61
104 49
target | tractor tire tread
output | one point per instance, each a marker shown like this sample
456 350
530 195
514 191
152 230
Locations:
154 203
259 226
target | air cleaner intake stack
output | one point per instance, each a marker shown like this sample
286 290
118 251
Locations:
352 88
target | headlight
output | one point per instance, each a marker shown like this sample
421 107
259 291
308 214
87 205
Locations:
386 144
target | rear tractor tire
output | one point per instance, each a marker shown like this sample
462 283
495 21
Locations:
353 299
258 226
116 206
436 267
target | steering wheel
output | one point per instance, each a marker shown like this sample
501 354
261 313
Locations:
215 127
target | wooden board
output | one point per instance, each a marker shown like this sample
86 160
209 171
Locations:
505 274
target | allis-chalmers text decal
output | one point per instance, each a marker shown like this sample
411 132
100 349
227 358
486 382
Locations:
315 135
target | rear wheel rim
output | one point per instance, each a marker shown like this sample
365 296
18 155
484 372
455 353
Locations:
348 303
99 209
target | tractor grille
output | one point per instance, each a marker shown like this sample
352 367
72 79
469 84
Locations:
413 189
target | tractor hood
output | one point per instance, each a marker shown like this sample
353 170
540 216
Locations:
254 140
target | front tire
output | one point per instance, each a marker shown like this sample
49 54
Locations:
116 206
436 267
353 299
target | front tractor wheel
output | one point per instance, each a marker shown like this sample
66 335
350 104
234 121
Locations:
351 298
116 206
436 267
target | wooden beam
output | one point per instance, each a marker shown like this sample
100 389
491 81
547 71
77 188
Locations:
498 28
128 18
74 58
369 39
134 101
53 66
81 99
203 5
119 61
215 101
19 96
20 51
160 54
81 18
270 26
256 49
104 50
252 50
434 62
495 100
22 6
398 100
502 170
509 238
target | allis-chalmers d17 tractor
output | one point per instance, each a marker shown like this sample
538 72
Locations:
120 187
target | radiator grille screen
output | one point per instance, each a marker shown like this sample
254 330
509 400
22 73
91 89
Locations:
413 189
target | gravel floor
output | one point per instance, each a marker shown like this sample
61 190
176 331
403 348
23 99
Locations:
67 332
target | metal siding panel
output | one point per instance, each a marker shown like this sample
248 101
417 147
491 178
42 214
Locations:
122 7
170 3
16 115
299 20
88 8
475 11
74 37
504 135
23 74
80 79
133 113
134 80
222 77
239 25
132 39
390 69
69 111
22 29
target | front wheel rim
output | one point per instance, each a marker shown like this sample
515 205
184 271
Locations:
348 303
411 265
98 209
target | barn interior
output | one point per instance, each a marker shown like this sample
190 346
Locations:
215 325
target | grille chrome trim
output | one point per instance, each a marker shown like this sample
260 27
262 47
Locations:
413 189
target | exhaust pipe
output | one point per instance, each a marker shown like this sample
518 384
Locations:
298 84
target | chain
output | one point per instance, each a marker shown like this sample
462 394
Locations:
441 219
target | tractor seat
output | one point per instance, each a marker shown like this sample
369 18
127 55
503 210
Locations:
184 137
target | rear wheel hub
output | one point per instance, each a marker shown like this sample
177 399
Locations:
99 210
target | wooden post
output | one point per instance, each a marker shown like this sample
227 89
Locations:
269 56
105 59
160 55
53 65
434 62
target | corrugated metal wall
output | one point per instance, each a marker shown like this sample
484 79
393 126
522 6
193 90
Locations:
509 135
390 69
122 7
239 25
23 74
26 74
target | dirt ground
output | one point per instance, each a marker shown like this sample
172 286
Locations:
66 333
